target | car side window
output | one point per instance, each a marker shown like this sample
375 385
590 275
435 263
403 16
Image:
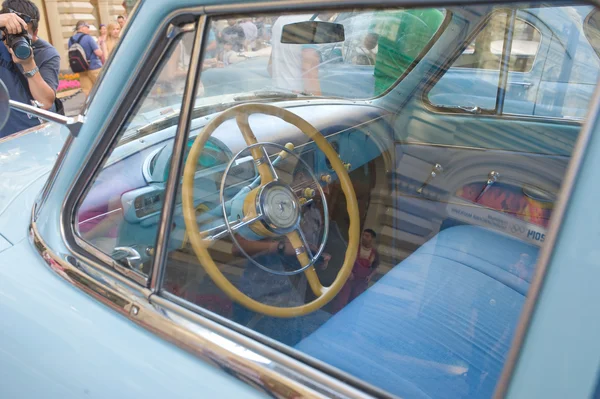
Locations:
120 196
552 68
485 51
472 80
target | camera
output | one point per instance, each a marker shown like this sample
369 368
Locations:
19 43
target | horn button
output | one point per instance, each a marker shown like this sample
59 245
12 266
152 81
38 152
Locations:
280 208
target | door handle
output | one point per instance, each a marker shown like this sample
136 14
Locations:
526 85
436 170
493 177
132 257
472 110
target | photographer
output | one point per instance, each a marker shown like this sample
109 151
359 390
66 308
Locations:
33 78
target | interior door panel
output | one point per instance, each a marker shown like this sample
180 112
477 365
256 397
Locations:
442 169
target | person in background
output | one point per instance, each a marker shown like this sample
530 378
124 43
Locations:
93 54
102 37
295 66
363 271
35 78
121 21
210 53
234 35
250 33
114 33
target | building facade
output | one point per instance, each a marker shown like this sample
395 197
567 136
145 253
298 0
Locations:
58 19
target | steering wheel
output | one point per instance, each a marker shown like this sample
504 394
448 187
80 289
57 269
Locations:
262 219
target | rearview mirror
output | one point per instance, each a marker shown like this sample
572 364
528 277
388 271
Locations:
312 32
4 107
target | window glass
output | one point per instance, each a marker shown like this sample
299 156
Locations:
246 56
121 200
385 239
566 81
472 80
485 51
552 69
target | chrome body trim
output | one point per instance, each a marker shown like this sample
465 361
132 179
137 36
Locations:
179 147
146 166
505 60
73 123
263 215
466 147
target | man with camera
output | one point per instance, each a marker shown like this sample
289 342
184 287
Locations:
29 66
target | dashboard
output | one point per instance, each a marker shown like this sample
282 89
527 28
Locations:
355 131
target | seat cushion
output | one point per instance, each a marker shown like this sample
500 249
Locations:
440 323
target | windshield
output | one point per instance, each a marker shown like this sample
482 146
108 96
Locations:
244 60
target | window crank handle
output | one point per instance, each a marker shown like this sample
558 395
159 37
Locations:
437 169
492 178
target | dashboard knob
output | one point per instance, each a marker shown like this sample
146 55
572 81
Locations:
326 178
288 146
309 192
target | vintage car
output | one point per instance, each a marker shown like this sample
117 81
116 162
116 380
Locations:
425 241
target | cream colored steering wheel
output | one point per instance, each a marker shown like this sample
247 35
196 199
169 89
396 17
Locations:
252 212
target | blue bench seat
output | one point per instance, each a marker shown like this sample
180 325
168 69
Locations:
440 323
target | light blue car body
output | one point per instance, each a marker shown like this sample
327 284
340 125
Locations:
56 341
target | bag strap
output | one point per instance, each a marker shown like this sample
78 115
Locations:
80 38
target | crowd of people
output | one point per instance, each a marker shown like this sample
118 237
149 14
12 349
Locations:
228 38
97 50
34 79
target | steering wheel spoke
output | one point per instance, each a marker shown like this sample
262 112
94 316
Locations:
220 231
259 153
305 257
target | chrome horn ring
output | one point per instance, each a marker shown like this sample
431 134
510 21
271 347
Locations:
313 258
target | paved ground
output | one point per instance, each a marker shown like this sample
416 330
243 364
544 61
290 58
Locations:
73 104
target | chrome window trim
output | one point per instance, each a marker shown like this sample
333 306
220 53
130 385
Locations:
95 274
179 146
317 372
82 184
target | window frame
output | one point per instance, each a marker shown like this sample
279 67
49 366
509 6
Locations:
518 19
502 86
108 135
167 38
151 288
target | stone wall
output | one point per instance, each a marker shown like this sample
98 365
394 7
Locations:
62 16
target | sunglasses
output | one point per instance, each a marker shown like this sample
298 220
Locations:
24 17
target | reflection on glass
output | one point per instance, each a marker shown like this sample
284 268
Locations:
434 220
